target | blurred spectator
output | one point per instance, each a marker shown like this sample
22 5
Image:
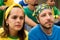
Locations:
9 2
2 7
21 2
28 10
51 3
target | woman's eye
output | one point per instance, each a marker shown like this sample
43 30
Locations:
21 17
14 17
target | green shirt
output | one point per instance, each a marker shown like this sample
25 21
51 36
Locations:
1 2
56 11
29 13
1 12
13 38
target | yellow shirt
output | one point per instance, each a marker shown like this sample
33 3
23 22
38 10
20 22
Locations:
8 38
9 2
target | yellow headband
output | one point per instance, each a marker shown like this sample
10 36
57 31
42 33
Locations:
10 8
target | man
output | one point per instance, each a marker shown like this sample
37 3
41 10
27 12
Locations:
29 18
51 3
21 2
45 30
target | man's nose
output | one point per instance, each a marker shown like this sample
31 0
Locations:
48 17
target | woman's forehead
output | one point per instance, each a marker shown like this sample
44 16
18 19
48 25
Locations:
17 11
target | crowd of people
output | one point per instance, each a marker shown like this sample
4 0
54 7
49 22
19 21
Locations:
29 20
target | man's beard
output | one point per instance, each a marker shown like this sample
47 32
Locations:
50 25
46 27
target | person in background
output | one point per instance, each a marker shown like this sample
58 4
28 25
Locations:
45 30
9 2
2 7
51 3
13 24
30 20
21 2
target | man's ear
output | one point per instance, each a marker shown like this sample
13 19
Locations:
38 19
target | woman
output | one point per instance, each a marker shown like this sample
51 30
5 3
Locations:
13 24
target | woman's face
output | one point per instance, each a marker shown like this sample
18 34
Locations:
15 19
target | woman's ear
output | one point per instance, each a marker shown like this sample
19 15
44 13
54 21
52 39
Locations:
7 22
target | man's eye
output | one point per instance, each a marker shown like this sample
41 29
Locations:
50 14
43 15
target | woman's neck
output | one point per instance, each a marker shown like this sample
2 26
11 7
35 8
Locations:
13 32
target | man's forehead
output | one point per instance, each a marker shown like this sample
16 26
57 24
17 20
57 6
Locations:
46 11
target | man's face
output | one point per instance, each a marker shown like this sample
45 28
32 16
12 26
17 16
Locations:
51 2
33 2
46 18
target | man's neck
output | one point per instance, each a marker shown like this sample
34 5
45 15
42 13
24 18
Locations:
31 7
47 31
